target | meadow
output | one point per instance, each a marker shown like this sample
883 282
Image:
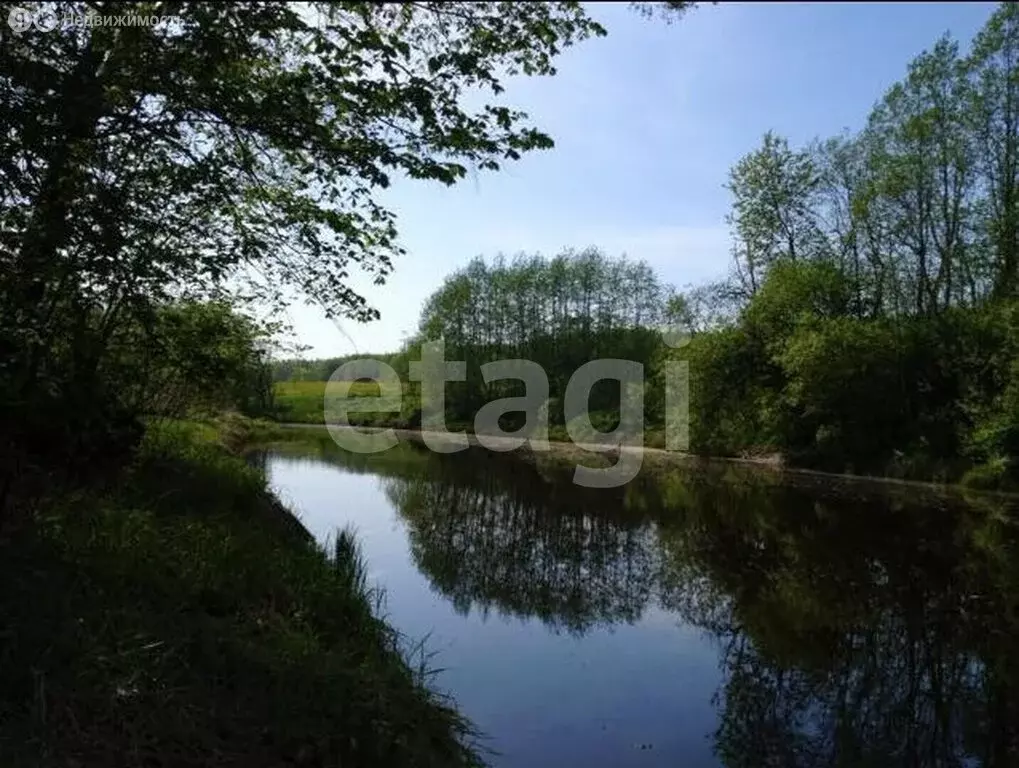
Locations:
302 402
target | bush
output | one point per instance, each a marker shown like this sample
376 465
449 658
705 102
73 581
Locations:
921 397
845 401
998 474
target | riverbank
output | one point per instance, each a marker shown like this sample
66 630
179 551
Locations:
563 454
304 403
179 615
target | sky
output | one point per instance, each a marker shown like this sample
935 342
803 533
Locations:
647 122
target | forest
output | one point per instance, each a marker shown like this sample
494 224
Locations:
868 322
559 313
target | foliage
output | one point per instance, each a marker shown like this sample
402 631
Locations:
668 9
844 395
772 192
725 419
917 210
267 131
560 313
914 397
795 294
228 152
175 359
194 355
875 279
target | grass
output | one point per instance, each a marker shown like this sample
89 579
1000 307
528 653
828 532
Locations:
303 402
180 616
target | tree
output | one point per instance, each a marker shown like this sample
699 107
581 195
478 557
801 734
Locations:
193 356
875 282
668 9
921 168
773 189
848 239
993 114
559 312
233 147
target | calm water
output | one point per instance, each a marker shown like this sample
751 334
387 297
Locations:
710 618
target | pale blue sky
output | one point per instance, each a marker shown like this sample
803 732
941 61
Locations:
647 123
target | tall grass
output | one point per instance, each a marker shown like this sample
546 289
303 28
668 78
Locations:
348 562
182 617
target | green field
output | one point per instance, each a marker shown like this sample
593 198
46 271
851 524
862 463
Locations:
303 402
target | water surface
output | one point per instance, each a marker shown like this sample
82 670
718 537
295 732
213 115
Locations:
707 617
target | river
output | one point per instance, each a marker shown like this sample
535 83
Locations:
697 617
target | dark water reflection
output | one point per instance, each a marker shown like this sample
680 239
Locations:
711 617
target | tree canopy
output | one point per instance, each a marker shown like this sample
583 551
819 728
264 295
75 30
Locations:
234 150
918 209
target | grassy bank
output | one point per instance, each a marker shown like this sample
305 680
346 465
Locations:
178 616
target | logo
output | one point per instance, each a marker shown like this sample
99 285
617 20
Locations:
624 444
20 19
46 19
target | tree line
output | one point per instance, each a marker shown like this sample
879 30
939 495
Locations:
870 318
559 312
917 209
321 369
869 321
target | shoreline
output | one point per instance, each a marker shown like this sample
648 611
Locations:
562 453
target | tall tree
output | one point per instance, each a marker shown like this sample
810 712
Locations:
839 161
994 119
559 312
771 217
921 166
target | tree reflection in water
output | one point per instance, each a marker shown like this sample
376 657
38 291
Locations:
508 540
854 632
864 630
